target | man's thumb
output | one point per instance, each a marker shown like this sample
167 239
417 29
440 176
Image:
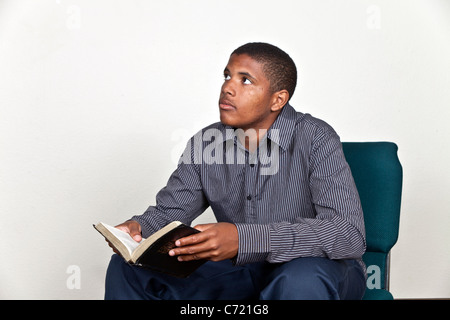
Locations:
203 227
135 231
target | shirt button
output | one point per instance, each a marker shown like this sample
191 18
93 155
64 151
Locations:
249 197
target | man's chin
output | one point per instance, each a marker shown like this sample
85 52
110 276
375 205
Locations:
227 121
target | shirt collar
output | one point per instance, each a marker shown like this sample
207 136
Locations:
284 124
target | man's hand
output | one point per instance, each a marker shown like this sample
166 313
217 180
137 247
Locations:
215 242
131 227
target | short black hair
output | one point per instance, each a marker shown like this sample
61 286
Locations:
278 66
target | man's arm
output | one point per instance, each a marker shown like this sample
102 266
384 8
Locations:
337 231
182 199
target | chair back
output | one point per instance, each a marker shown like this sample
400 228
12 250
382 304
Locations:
378 176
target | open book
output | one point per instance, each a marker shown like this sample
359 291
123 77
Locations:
153 252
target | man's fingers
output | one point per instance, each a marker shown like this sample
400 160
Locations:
114 248
216 242
193 253
135 232
192 239
197 237
203 227
190 250
133 228
197 256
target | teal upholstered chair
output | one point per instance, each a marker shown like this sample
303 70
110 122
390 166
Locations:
378 176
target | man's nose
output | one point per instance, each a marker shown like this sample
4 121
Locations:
228 88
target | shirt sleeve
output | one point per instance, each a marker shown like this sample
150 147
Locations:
182 199
336 232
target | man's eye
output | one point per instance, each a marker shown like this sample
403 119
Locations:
246 81
226 77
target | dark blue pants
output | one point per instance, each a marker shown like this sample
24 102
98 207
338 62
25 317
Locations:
302 278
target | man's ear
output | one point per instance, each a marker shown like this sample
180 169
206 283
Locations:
279 99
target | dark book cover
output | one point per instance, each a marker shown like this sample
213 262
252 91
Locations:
157 257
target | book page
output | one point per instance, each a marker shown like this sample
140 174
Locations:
124 237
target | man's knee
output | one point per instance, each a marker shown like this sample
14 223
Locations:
305 279
120 281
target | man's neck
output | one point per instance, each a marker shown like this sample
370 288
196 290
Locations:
250 137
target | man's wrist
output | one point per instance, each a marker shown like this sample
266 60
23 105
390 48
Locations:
254 243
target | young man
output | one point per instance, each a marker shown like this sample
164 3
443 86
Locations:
290 224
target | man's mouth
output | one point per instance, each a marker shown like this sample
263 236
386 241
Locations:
226 105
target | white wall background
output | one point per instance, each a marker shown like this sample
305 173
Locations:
98 97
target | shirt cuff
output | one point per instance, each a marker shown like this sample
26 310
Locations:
254 243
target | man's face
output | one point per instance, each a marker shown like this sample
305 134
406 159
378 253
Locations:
246 98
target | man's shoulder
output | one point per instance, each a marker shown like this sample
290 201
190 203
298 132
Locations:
311 133
306 123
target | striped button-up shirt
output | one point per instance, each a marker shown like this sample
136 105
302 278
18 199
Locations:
292 197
